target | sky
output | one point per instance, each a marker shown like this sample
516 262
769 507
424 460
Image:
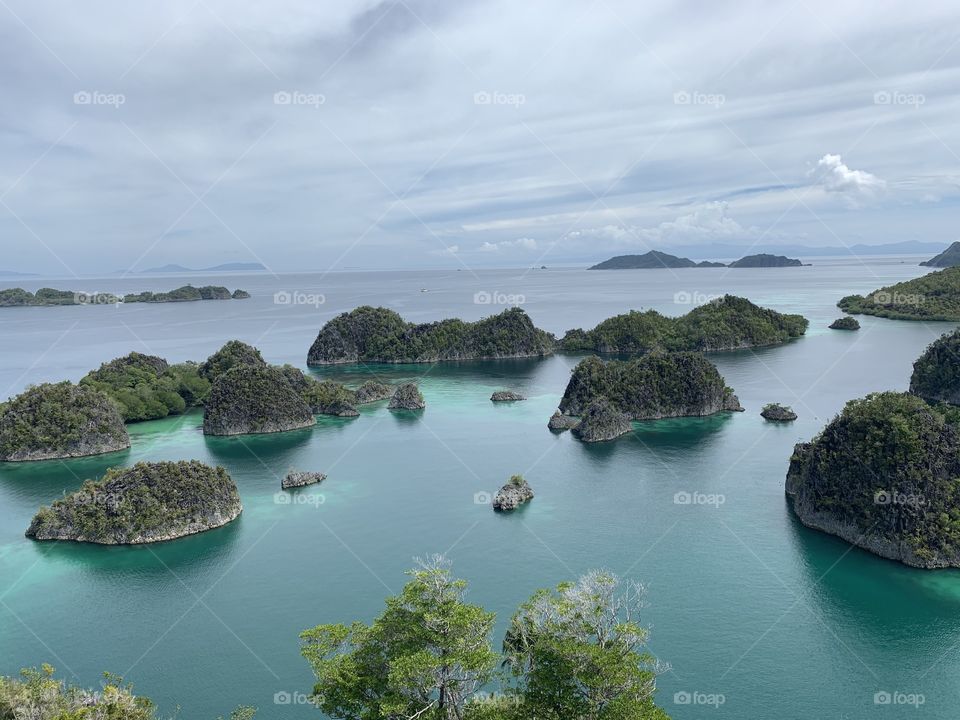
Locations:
319 134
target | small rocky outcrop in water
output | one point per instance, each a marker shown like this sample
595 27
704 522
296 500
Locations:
61 420
296 478
936 374
560 422
373 391
507 396
407 397
252 399
602 421
513 494
845 323
882 476
149 502
778 413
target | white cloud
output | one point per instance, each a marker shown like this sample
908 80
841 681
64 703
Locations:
835 176
524 243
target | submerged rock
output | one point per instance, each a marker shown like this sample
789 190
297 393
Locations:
297 478
560 422
602 421
513 494
149 502
252 399
778 413
507 396
372 391
845 323
407 397
62 420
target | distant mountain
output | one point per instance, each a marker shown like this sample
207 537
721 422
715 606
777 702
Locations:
649 261
948 258
764 260
225 267
721 250
12 273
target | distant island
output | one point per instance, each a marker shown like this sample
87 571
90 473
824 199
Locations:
150 502
948 258
45 297
932 297
14 273
224 267
727 323
376 334
655 259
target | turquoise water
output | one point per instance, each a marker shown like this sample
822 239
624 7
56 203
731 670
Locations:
744 602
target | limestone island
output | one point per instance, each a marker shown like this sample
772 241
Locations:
652 260
559 422
845 323
297 478
61 420
45 297
775 412
507 396
948 258
512 495
150 502
935 296
883 476
407 397
936 374
606 395
727 323
376 334
765 260
372 391
252 399
187 293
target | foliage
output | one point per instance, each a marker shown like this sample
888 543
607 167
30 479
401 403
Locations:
936 374
233 353
845 323
14 297
647 261
765 260
254 399
517 480
186 293
145 387
580 653
726 323
424 656
935 296
140 503
381 335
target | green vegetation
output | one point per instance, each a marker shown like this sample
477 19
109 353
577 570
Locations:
845 323
254 399
727 323
230 355
932 297
18 297
884 475
655 385
187 293
765 260
146 503
369 334
146 387
650 261
936 374
60 420
576 654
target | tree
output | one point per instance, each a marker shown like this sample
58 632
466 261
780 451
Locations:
579 653
424 657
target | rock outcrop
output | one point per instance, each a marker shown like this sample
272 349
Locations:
845 323
559 422
230 355
407 397
62 420
936 373
373 391
297 478
507 396
149 502
513 494
602 421
778 413
253 399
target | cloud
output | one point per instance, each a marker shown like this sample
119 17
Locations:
523 243
835 176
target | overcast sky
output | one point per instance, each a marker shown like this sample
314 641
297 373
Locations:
353 133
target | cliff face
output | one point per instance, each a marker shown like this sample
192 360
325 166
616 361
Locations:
371 334
936 374
407 397
149 502
881 476
601 421
252 399
61 420
659 385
